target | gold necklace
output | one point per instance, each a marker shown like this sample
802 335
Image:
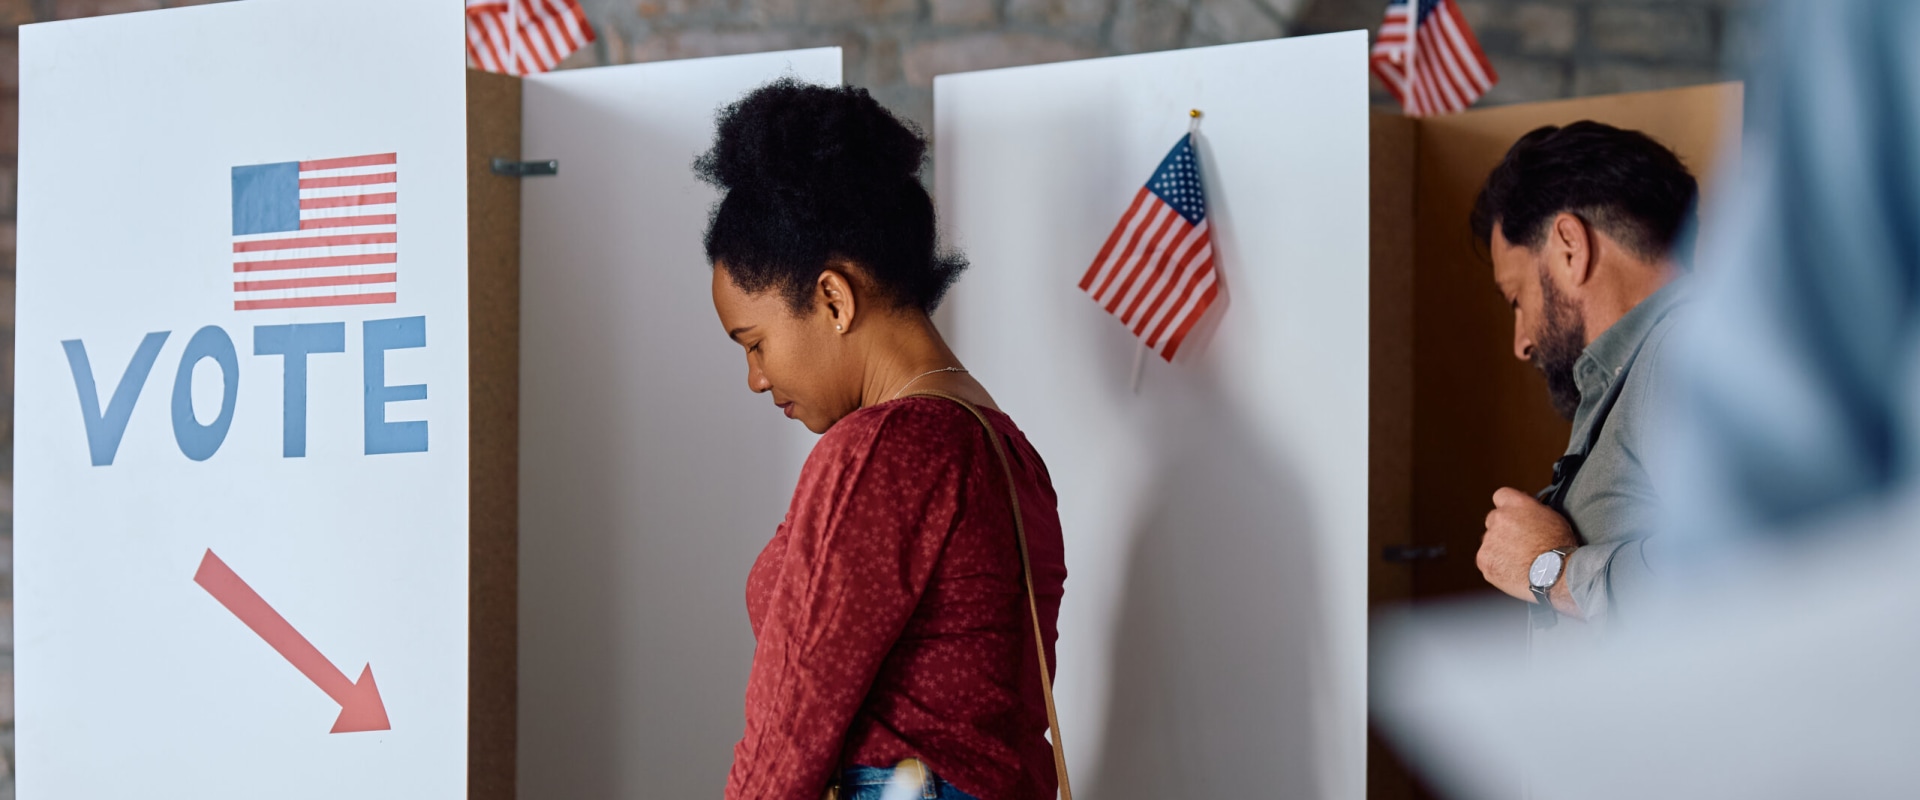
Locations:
903 389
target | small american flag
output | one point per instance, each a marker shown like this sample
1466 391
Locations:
1430 60
1156 270
522 37
316 233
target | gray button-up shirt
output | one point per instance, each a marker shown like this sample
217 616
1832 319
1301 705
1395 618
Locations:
1614 499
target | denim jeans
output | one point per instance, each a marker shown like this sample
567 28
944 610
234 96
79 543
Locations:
870 783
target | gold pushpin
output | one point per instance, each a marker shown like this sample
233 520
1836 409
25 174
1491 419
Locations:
1193 125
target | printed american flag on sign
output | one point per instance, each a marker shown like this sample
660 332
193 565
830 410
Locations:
522 37
1156 271
1429 59
316 233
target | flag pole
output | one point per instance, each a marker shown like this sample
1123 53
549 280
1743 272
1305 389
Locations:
1140 358
1139 365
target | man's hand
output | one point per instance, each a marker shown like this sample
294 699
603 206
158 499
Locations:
1520 528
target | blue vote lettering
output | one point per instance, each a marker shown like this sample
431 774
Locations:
199 442
104 430
377 337
293 343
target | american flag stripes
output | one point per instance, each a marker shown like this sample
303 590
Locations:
316 233
1429 59
522 37
1156 271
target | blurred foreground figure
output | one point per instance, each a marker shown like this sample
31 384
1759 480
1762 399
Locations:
1779 662
1801 382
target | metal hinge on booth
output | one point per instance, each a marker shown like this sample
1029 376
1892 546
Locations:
522 169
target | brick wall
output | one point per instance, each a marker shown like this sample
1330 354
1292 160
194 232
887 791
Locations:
1542 48
1551 49
896 47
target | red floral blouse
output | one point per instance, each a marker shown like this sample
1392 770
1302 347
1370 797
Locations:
890 616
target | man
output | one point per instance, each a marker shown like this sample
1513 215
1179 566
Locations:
1580 222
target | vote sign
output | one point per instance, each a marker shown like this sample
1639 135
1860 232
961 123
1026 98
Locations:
241 466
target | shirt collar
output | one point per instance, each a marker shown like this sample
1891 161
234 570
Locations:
1607 357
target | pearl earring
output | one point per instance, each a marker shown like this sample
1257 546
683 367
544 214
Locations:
836 327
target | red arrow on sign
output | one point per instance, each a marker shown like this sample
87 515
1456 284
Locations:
360 706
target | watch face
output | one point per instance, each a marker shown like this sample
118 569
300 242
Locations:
1546 567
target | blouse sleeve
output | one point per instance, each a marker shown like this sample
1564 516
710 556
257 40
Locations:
868 521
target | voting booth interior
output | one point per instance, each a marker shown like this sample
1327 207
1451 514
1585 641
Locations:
1216 521
1476 418
1454 415
650 476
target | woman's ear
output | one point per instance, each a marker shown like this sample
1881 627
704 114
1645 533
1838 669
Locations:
834 297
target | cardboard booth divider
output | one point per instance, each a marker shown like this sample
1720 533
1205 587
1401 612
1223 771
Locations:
493 326
1392 149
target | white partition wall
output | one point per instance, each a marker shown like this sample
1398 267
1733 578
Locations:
242 409
1213 632
650 477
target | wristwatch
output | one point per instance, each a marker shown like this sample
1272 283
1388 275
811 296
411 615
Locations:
1545 572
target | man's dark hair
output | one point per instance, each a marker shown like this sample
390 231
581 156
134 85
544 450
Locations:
816 173
1619 181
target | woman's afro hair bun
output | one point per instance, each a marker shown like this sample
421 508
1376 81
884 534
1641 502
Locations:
790 135
812 174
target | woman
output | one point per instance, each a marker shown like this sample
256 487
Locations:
890 609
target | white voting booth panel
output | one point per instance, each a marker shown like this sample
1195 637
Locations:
650 476
1213 632
165 412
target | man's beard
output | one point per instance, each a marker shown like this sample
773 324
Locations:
1557 347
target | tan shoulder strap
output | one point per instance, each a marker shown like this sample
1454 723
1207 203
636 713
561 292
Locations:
1033 605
